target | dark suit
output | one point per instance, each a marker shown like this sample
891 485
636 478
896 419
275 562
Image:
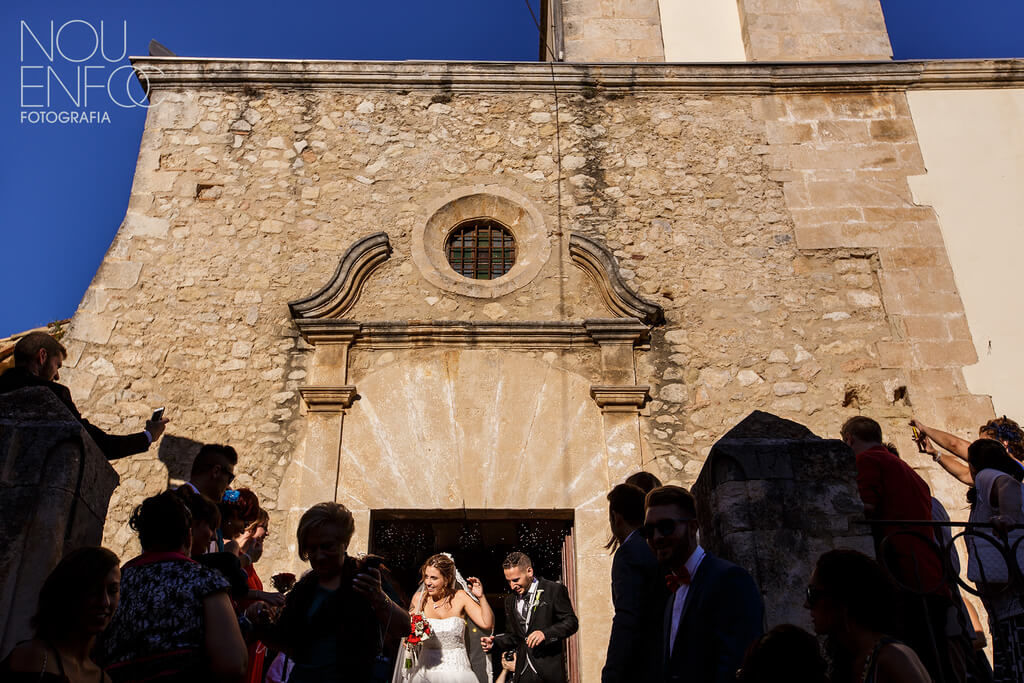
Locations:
723 614
554 617
113 446
477 656
638 595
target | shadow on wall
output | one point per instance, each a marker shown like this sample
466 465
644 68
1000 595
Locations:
177 454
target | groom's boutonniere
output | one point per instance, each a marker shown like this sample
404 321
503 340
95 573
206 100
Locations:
536 599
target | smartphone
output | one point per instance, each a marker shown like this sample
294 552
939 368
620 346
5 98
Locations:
372 562
158 415
919 440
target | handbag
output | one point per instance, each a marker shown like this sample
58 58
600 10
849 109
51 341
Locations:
986 561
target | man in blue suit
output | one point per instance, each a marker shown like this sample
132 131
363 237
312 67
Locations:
638 594
715 610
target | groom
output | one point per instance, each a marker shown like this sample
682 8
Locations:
539 618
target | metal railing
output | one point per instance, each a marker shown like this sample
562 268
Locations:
999 565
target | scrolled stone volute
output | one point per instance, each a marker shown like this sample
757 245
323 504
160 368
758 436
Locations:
600 264
338 296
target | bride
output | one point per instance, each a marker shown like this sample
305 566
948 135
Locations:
444 604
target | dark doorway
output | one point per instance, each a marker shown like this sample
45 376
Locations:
478 541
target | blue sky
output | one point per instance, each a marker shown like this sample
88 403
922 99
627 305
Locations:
65 186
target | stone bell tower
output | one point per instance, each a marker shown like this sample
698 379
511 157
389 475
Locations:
718 30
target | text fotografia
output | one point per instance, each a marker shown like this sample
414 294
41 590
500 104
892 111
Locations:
75 73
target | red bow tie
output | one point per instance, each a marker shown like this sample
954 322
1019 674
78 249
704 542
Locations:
678 578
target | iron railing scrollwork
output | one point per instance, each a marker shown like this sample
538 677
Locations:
999 566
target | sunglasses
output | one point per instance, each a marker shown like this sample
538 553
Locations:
229 473
665 527
814 595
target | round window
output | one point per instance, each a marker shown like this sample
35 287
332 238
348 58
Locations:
481 249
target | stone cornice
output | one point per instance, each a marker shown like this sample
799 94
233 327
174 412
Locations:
183 73
390 334
328 399
328 331
340 293
380 335
619 398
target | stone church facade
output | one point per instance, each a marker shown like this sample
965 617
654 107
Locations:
693 241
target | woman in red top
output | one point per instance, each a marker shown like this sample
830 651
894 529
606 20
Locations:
250 546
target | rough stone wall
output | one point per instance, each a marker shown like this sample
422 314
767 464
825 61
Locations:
244 202
772 498
612 31
814 30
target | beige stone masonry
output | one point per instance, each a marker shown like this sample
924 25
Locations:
814 30
612 31
844 162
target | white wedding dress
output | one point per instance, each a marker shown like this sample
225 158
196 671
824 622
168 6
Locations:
442 657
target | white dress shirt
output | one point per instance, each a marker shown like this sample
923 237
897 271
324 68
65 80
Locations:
680 596
527 596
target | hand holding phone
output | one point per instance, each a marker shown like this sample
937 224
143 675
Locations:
918 439
155 424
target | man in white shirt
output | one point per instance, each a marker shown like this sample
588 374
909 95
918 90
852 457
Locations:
715 611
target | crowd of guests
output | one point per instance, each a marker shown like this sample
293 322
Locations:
682 614
191 607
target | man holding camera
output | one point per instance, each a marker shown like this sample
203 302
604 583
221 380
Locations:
38 358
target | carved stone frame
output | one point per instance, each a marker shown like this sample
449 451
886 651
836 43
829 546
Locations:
322 320
511 209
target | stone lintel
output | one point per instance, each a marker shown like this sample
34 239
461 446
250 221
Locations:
389 334
328 399
620 398
425 333
171 73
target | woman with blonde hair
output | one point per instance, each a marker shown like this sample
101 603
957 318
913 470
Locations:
445 601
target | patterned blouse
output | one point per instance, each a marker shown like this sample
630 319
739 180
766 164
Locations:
161 610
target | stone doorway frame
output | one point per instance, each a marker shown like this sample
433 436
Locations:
321 319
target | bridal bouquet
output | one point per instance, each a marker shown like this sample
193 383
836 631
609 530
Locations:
419 630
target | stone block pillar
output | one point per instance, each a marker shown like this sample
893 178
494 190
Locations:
612 31
814 30
772 497
55 485
313 476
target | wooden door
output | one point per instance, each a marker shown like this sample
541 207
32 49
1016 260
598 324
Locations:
572 651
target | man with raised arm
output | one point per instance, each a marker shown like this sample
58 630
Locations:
38 358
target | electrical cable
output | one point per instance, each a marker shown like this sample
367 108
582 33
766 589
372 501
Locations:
558 130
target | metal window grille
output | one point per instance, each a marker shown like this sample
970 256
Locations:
481 250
